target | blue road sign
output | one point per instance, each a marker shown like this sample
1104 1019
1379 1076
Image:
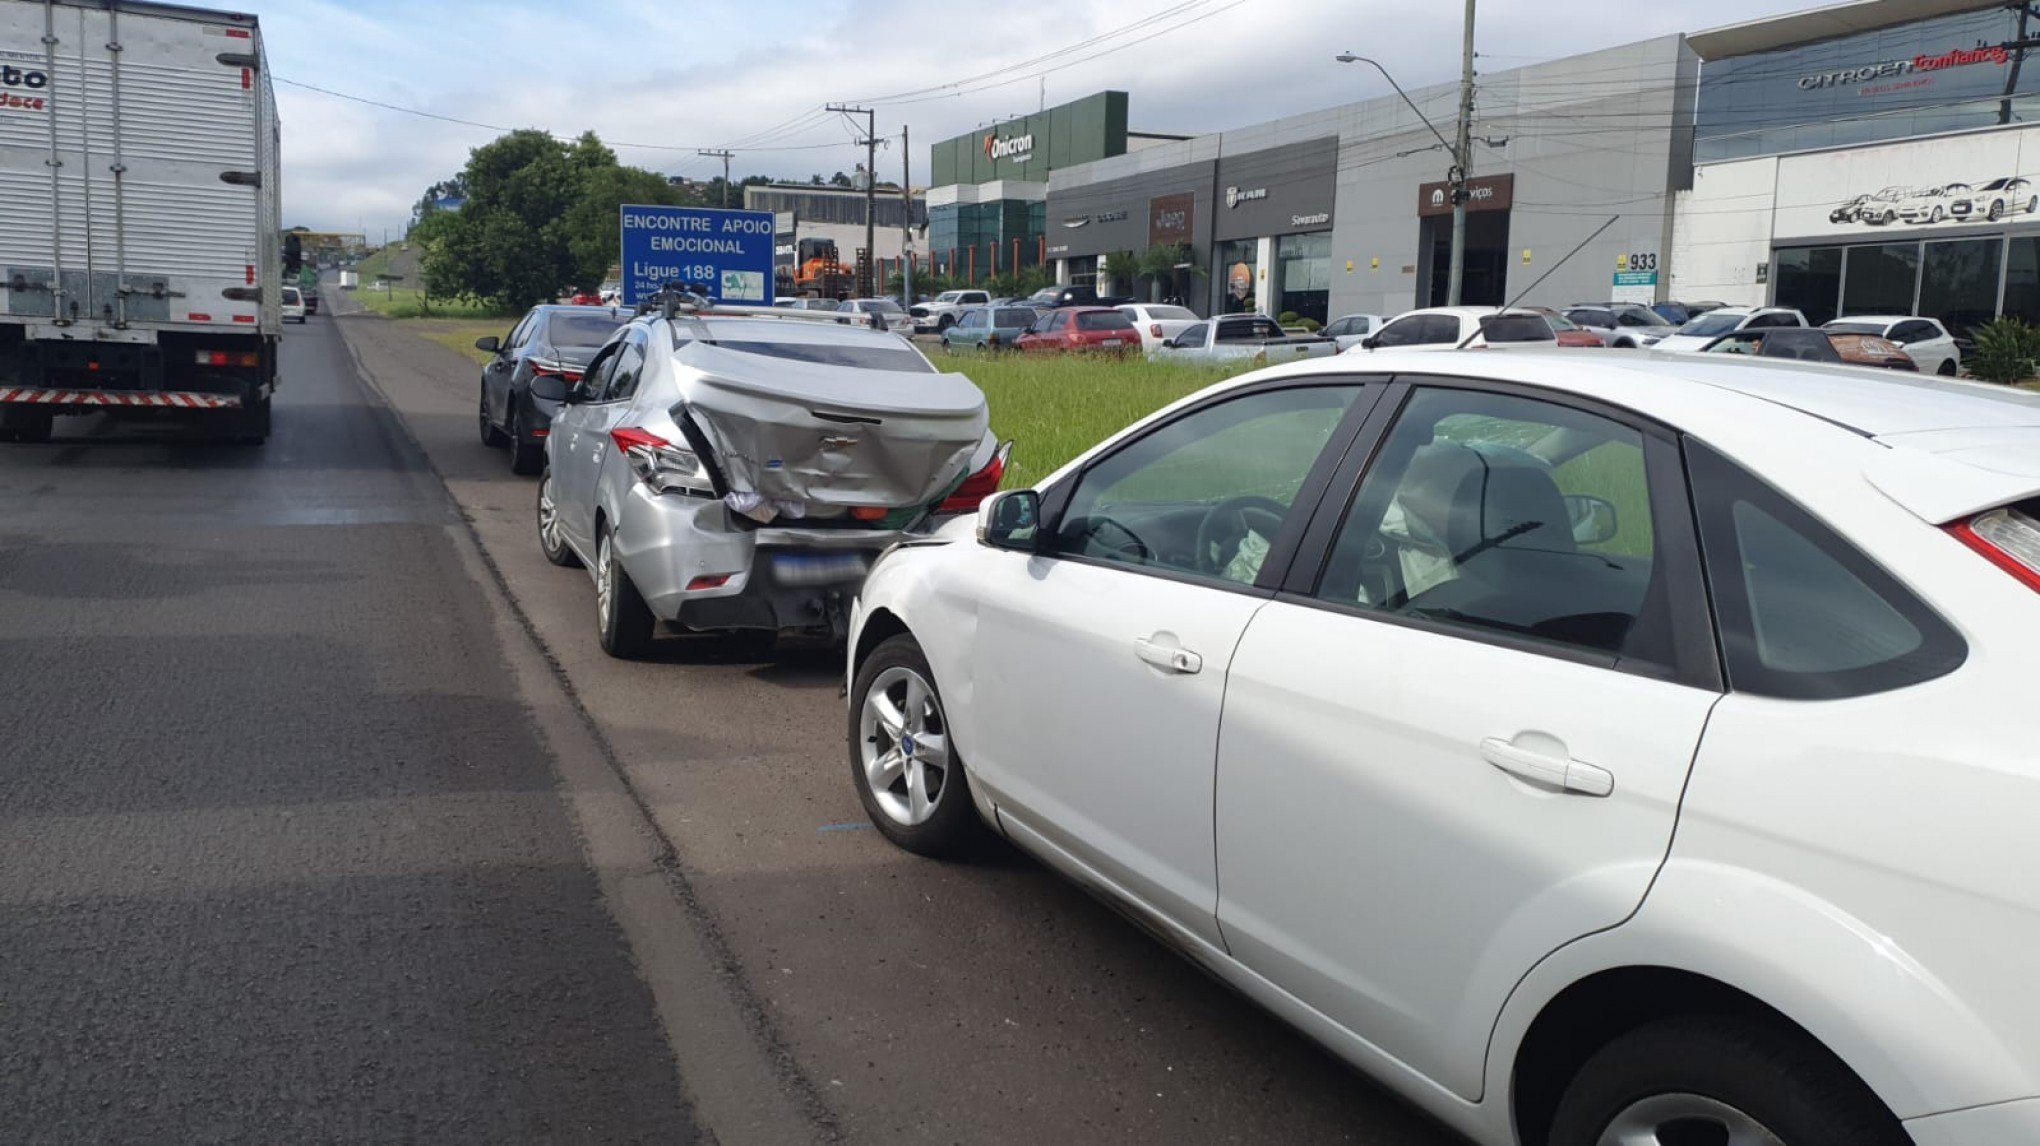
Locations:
727 254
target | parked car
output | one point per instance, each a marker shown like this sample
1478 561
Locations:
829 304
1622 325
1695 335
1049 298
1999 198
1347 330
728 469
1454 327
529 373
1158 322
1096 329
988 328
1682 795
293 305
1565 331
1247 337
1812 344
889 312
1925 340
941 314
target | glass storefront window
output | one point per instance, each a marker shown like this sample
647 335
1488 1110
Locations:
1235 269
1084 271
1881 279
1959 283
1304 267
1809 279
2022 279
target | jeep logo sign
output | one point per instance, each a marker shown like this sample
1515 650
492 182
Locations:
1019 147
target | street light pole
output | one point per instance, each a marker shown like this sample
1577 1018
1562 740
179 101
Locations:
724 154
1462 157
1460 151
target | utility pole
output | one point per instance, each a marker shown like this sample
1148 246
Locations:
1462 159
724 155
907 223
870 193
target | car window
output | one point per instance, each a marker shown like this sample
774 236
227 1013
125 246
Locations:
597 378
1508 515
1802 613
581 331
1415 330
1858 328
1207 493
623 379
1501 328
1601 318
1015 317
1773 320
1339 329
1711 325
1910 332
1057 321
1103 320
1171 314
1241 331
521 333
1193 335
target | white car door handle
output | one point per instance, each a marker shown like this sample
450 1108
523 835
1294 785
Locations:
1167 657
1566 773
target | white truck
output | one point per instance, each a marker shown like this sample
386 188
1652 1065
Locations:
1242 337
140 251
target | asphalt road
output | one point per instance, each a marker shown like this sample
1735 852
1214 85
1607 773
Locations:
906 1000
326 819
284 857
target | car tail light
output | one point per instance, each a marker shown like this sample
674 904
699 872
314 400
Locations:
2008 537
978 486
246 358
715 581
1155 329
555 369
659 463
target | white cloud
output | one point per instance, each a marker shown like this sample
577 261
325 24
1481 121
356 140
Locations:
707 74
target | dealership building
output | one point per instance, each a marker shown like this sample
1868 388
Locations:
1867 159
1346 209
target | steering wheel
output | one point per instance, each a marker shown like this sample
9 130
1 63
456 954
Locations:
1132 545
1225 525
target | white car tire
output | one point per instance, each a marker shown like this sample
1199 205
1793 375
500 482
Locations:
908 773
1748 1080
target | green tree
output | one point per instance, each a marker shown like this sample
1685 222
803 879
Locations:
540 216
2007 351
1123 268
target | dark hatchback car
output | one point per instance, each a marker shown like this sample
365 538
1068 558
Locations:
1811 344
533 368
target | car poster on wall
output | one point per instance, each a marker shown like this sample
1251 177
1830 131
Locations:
1964 181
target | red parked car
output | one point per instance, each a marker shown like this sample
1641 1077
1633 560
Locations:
1098 329
1568 332
585 298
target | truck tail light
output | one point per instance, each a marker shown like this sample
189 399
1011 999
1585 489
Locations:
242 358
659 463
978 486
2007 537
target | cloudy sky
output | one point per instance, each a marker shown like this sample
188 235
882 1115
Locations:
660 78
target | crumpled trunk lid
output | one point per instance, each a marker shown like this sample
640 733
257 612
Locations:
823 435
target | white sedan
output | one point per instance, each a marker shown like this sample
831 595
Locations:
1158 322
1593 749
1924 340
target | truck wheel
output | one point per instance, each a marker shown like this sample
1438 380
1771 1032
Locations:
251 424
29 425
624 623
526 457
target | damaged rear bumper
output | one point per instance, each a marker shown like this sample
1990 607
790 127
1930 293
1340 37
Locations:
701 567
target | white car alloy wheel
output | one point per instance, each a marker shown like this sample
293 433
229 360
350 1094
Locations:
903 745
1676 1119
909 775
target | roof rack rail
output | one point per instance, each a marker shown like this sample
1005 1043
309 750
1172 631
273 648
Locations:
677 298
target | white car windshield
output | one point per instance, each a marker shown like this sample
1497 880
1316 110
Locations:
1712 325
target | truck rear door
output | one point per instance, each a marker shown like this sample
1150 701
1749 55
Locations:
134 175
